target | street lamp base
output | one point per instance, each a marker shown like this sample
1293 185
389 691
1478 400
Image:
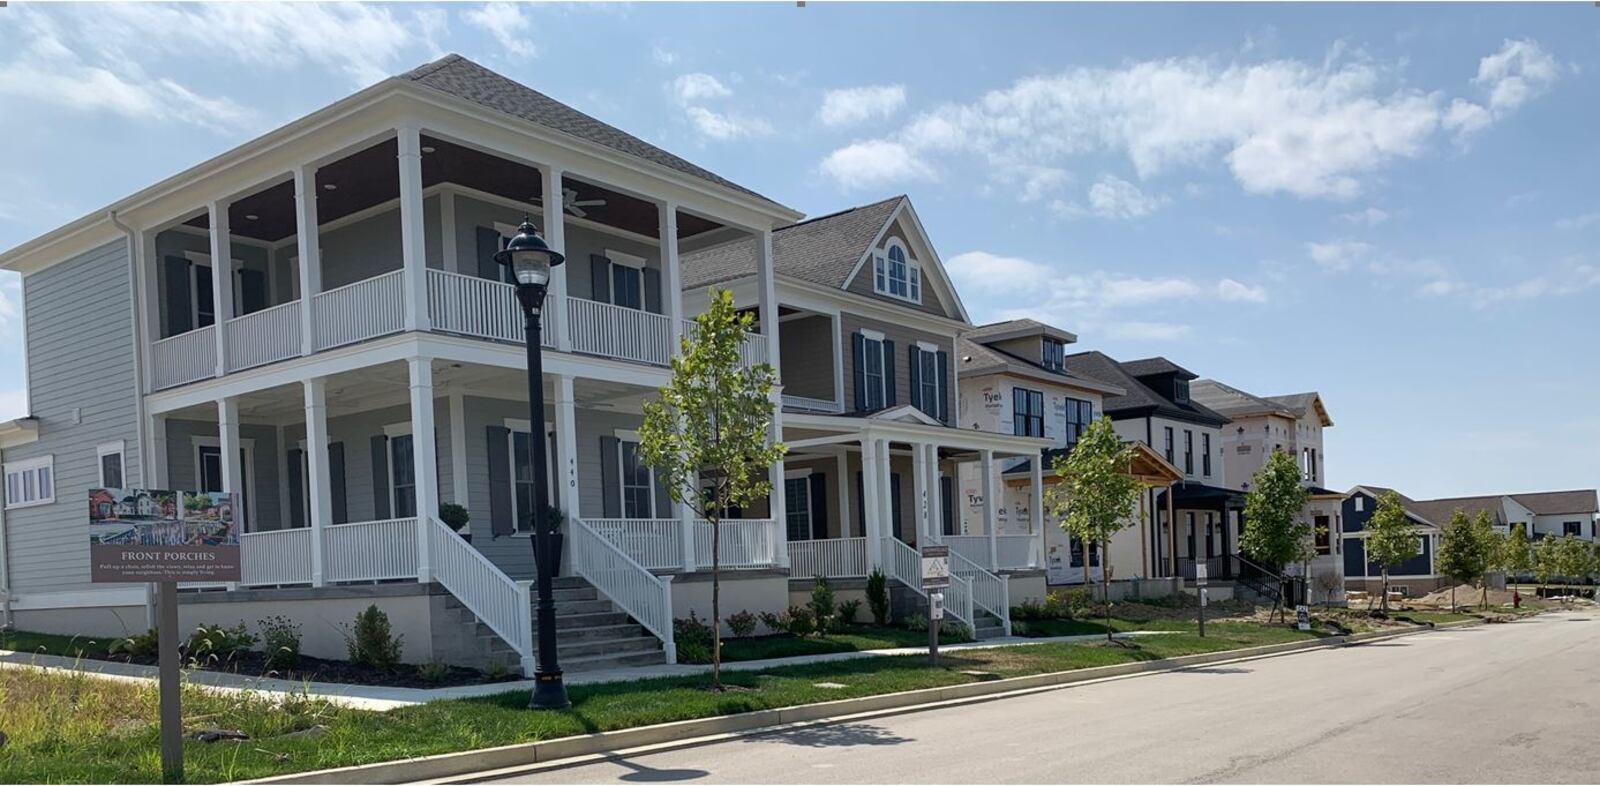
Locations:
549 691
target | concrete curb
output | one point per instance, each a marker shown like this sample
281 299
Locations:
475 765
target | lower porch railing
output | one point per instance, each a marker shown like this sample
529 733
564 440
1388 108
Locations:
832 557
743 543
370 550
656 544
643 595
1011 551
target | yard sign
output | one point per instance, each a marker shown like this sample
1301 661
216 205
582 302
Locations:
156 536
935 566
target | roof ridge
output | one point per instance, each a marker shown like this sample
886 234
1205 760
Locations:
837 213
428 68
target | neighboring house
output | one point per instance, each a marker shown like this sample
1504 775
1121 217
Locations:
869 323
1415 576
1292 424
1559 513
314 320
1198 518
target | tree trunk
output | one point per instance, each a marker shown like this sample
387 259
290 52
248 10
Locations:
1483 601
1105 594
716 603
1452 596
1383 601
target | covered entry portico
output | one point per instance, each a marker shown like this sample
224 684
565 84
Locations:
1203 523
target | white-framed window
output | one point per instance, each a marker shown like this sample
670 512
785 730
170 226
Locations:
895 274
112 470
520 442
928 377
627 279
30 482
402 471
797 499
637 481
1361 504
872 370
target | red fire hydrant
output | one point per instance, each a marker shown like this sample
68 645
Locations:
1516 600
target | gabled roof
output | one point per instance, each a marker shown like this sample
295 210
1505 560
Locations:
822 250
1302 404
1017 328
1441 510
976 359
1233 402
1158 365
457 76
1406 503
1137 398
1554 503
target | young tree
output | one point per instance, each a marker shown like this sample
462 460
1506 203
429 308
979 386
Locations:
1574 562
1096 496
1516 555
1274 531
1458 551
1391 539
713 424
1546 561
1488 555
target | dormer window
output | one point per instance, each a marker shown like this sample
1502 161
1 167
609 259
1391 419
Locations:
895 275
1054 355
1180 391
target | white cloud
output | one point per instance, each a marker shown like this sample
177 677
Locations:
10 305
1579 221
1113 197
1569 277
852 105
1371 216
1236 292
725 126
985 272
1337 256
663 56
1147 331
1309 129
510 27
691 88
1519 72
874 163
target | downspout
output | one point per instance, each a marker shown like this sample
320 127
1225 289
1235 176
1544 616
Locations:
5 567
140 421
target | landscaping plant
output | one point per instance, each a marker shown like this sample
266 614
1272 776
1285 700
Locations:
139 645
1460 555
1274 531
693 639
1097 494
802 621
1489 552
371 642
454 516
823 606
1516 553
709 435
848 611
1546 561
773 621
212 644
280 637
742 623
878 596
1391 539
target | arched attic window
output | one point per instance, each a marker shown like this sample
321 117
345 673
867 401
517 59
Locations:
895 274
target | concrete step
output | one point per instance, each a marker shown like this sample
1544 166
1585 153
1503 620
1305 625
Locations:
587 620
585 648
600 662
567 608
601 633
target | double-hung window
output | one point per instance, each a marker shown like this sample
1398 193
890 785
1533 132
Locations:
638 489
872 367
1167 432
1188 452
1080 414
797 511
109 457
627 280
1205 455
894 274
523 477
1027 412
403 475
30 482
1053 356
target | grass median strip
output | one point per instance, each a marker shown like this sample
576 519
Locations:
66 727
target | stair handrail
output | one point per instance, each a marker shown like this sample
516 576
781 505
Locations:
646 597
499 601
990 591
905 566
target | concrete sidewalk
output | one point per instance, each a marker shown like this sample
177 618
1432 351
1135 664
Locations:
380 698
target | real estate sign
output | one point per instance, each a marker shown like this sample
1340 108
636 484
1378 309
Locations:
150 535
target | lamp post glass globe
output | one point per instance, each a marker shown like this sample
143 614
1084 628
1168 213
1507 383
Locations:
529 257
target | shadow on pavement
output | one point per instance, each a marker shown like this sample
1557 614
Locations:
645 774
1216 670
835 736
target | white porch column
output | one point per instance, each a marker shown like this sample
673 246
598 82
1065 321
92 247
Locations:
935 497
566 458
843 469
671 272
425 460
870 525
1036 508
413 250
156 469
990 501
919 491
778 500
308 244
768 294
319 485
458 448
555 236
221 279
228 450
885 493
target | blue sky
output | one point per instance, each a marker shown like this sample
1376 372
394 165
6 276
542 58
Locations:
1392 205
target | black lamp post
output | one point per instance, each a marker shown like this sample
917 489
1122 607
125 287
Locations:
530 260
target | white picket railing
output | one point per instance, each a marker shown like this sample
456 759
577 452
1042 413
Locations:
743 543
275 557
833 557
812 404
643 595
370 550
500 602
356 312
973 547
989 592
184 358
1017 551
482 308
656 544
618 332
905 566
751 352
266 336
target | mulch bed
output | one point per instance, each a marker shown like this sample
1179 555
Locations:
405 675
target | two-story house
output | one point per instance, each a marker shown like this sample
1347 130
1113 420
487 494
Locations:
1293 424
314 321
869 322
1415 576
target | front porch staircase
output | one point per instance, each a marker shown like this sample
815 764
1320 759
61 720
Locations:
591 634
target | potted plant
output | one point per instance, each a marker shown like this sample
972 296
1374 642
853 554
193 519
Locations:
456 517
554 518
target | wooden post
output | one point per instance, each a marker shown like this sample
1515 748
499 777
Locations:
171 709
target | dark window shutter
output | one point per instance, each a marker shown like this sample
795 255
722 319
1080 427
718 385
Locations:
610 477
858 349
297 511
912 353
380 477
252 291
861 504
599 278
341 507
180 316
500 515
488 246
894 505
819 506
652 290
888 374
944 387
947 504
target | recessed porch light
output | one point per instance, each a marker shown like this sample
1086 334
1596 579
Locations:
251 217
427 148
329 187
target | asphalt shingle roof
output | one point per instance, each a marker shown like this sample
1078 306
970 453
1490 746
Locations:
1233 402
985 359
462 78
1553 503
822 250
1137 396
1158 365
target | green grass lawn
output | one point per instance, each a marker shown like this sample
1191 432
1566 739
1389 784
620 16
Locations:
51 644
854 638
67 728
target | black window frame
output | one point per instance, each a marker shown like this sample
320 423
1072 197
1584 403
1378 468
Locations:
1171 443
1053 354
1188 451
1027 412
1205 455
1083 410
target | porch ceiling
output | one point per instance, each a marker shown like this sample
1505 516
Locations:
370 177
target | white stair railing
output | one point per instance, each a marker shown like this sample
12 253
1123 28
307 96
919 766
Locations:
500 602
646 597
905 566
990 592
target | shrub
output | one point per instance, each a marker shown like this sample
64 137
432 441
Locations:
434 671
454 516
693 639
878 596
802 621
773 621
822 604
1028 610
1054 608
281 639
218 643
1079 603
742 623
371 643
848 611
918 621
139 645
497 669
955 631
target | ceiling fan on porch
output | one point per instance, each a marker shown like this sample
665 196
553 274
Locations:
572 204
